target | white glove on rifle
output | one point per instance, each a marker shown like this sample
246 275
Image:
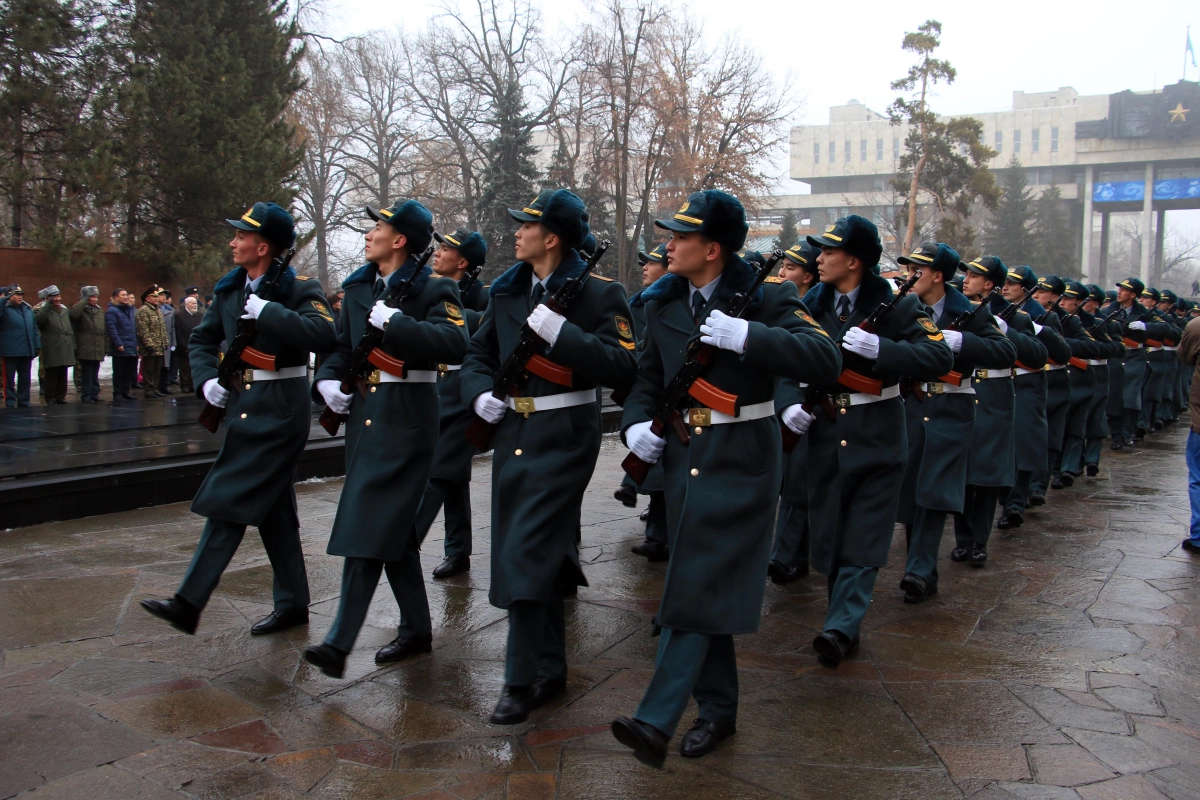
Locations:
215 393
546 323
1037 329
381 313
1002 325
726 332
797 419
254 306
489 408
644 444
1137 325
331 390
954 339
864 344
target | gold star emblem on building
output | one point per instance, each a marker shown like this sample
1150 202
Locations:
1179 113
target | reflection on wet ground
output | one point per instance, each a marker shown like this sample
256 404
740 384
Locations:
1067 668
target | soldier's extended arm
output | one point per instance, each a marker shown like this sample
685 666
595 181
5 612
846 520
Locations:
911 347
441 336
601 354
309 327
985 346
791 344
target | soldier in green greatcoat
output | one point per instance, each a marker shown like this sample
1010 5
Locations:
722 486
1135 331
268 418
391 432
547 439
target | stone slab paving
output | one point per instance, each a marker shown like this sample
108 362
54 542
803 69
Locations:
1067 668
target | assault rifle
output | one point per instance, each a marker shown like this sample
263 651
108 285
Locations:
468 280
1010 311
526 359
688 381
367 356
964 319
240 355
1111 316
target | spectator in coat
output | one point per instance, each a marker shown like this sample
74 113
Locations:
152 340
186 322
91 338
20 342
121 326
58 344
170 370
194 291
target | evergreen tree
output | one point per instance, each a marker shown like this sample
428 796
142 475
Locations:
1055 239
787 231
509 178
1009 234
204 133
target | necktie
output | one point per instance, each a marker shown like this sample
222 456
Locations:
843 307
697 305
929 311
380 288
539 291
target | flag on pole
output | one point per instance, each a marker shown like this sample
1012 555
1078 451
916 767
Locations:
1190 51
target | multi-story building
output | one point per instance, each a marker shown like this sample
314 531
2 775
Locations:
1105 153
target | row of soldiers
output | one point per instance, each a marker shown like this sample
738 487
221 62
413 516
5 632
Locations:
895 407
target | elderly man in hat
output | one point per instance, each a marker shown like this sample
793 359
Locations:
153 340
267 423
58 344
91 341
20 342
186 320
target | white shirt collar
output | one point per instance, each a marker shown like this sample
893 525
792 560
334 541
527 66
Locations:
706 291
852 294
938 307
253 284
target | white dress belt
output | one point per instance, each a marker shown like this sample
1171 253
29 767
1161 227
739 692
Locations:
849 399
1169 347
1153 349
1098 362
413 376
1026 371
550 402
279 374
990 374
1053 367
448 367
937 387
710 416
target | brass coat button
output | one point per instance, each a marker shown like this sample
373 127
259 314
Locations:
247 387
843 410
517 452
695 472
243 416
699 431
368 423
373 388
843 442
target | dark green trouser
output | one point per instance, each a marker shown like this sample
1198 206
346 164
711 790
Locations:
280 532
850 590
456 497
791 536
537 641
656 520
1018 495
688 664
360 576
974 525
925 538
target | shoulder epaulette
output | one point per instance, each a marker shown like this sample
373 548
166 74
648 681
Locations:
601 277
303 278
773 279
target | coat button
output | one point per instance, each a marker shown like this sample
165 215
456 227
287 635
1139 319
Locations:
927 419
373 388
843 442
695 472
368 423
517 452
699 430
976 402
243 416
247 387
842 410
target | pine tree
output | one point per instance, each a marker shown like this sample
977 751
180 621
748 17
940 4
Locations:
787 231
1055 240
1008 233
509 179
204 133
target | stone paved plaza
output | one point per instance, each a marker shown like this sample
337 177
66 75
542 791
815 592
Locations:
1066 668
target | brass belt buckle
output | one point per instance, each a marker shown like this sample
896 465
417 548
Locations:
525 405
443 370
842 400
247 376
982 374
937 388
373 377
700 416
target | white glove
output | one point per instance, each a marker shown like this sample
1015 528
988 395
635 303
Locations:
331 390
489 408
726 332
644 444
546 323
1037 329
954 339
1002 325
859 341
381 313
215 393
1137 325
797 419
254 306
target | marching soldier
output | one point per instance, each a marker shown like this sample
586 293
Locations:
856 459
391 433
1097 428
720 488
1031 451
1089 383
940 417
1163 334
1134 321
789 557
460 255
250 482
546 441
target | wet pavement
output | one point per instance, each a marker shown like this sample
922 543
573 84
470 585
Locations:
1067 668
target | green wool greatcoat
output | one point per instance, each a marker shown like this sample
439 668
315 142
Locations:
542 462
857 459
1032 433
940 428
1133 365
91 340
637 310
58 337
266 425
722 489
452 459
391 434
1160 363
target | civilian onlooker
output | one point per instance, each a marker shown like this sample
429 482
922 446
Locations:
186 322
58 344
194 291
152 340
20 342
1189 353
169 365
91 340
121 326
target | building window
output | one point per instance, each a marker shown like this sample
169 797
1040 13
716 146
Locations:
1054 140
999 148
816 152
1017 141
895 148
1035 140
863 150
879 149
847 151
832 151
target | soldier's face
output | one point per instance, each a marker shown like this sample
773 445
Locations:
447 261
1165 305
533 241
1124 295
976 285
652 271
834 264
247 248
1069 303
689 253
924 283
1147 302
1045 298
796 274
382 241
1091 305
1012 291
